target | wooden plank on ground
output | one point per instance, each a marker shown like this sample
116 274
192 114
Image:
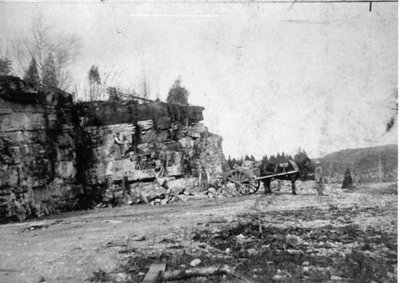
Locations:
154 273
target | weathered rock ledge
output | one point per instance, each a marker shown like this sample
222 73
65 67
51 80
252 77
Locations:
56 155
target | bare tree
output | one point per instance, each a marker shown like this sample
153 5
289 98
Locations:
145 87
64 48
35 46
49 73
94 89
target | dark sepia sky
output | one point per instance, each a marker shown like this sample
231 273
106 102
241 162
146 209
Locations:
272 77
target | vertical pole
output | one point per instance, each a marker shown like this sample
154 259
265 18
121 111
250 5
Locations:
380 167
370 6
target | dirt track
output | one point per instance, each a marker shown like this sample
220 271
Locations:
71 246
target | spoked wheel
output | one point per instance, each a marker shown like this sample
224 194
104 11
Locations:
243 183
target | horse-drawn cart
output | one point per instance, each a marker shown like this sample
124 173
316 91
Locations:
247 178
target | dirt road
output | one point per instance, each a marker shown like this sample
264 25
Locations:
70 247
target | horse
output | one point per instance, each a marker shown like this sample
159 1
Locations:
301 164
279 168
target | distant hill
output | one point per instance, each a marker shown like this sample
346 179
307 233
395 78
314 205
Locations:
363 163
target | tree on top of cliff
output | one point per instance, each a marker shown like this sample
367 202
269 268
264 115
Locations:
178 94
49 74
42 40
94 82
145 87
5 66
32 75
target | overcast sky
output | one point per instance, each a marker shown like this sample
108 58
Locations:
272 77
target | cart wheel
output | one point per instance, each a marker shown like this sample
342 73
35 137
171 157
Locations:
244 184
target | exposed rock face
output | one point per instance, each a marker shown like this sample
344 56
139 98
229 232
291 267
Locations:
152 142
37 151
56 155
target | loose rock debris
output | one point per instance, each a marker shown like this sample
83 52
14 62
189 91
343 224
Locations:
237 251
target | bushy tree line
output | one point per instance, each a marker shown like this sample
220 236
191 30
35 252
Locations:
278 158
44 58
233 161
47 80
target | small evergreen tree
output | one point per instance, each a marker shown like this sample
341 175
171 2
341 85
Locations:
273 159
229 161
113 94
5 66
94 80
49 75
178 94
32 75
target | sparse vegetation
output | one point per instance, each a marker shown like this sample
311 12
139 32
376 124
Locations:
5 66
271 244
41 44
363 163
32 75
94 82
178 94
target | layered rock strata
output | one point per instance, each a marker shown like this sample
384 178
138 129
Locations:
140 154
56 155
37 151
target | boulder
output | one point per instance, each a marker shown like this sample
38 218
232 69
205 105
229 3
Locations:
178 186
148 191
195 262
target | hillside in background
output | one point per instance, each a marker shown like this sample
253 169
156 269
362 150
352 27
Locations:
364 163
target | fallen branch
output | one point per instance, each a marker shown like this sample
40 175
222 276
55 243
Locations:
128 251
202 271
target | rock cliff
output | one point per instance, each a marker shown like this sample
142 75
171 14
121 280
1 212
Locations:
56 155
37 151
134 152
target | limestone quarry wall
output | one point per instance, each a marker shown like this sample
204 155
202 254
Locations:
37 152
163 150
56 155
